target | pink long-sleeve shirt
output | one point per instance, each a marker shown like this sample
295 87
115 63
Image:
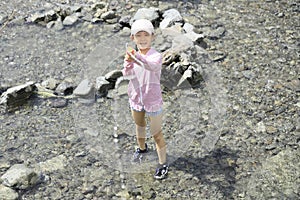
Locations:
144 89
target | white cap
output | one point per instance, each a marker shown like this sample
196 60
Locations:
142 25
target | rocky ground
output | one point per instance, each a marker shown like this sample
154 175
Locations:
234 136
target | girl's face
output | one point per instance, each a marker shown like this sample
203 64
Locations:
142 40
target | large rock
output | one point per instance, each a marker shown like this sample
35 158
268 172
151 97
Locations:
43 17
85 91
70 20
102 86
17 95
20 177
170 17
151 14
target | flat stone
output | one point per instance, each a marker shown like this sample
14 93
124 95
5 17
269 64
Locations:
58 102
70 20
53 164
85 88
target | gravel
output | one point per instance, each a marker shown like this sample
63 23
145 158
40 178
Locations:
236 136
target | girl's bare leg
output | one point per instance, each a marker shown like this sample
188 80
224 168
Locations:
140 126
155 129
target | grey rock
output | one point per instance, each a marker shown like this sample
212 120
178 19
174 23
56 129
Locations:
195 37
248 74
43 17
125 20
58 102
122 86
85 88
113 75
170 17
217 56
50 83
87 17
17 95
108 15
172 31
188 74
66 87
20 177
85 91
99 5
217 33
58 25
146 13
102 85
181 43
293 85
70 20
51 165
188 27
6 193
76 8
3 18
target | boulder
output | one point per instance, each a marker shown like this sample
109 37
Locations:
170 17
17 95
20 176
102 86
151 14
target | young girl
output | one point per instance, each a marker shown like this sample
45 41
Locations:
144 91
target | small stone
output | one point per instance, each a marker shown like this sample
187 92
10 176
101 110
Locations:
108 15
271 129
50 83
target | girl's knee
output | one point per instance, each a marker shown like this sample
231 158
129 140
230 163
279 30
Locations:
158 136
140 123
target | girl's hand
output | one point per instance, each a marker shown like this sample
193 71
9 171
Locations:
129 53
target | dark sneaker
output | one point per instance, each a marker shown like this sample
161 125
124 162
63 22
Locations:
138 154
161 171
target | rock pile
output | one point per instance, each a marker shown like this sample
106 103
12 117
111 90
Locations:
182 58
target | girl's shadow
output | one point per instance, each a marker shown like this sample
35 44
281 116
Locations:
217 169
